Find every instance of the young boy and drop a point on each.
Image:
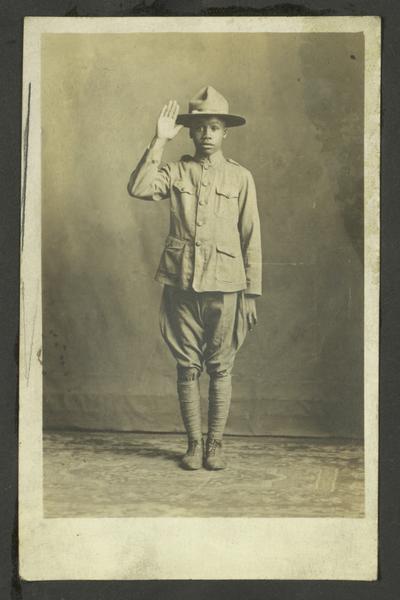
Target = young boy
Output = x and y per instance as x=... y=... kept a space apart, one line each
x=211 y=264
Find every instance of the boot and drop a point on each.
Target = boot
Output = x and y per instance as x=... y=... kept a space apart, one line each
x=193 y=459
x=214 y=460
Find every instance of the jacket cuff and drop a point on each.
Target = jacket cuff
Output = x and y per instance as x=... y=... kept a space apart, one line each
x=253 y=289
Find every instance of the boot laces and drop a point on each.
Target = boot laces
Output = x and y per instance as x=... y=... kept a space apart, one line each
x=212 y=445
x=192 y=447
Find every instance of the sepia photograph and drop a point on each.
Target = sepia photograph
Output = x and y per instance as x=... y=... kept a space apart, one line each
x=200 y=288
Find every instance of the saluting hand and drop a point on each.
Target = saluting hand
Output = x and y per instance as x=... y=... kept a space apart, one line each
x=250 y=311
x=166 y=124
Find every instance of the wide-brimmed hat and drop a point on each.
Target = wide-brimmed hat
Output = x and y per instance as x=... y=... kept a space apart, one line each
x=209 y=103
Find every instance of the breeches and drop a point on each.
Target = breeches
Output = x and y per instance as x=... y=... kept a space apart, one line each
x=202 y=329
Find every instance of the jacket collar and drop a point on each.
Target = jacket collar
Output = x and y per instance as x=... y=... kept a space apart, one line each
x=214 y=160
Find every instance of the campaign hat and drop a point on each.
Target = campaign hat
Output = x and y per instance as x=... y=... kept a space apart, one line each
x=208 y=102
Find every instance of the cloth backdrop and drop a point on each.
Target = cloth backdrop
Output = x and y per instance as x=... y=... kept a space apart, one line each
x=104 y=363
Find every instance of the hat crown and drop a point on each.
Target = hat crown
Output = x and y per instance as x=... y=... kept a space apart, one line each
x=209 y=103
x=208 y=100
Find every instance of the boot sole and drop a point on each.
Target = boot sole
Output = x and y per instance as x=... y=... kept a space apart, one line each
x=188 y=468
x=209 y=468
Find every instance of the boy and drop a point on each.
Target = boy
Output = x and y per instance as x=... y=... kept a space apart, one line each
x=211 y=264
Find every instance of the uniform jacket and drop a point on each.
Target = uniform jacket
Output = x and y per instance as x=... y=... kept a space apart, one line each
x=214 y=241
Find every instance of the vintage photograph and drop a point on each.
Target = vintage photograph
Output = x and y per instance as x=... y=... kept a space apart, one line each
x=203 y=276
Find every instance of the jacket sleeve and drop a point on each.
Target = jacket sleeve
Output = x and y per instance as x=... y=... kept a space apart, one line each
x=250 y=235
x=150 y=180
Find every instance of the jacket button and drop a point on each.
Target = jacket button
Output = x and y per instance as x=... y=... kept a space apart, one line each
x=205 y=183
x=198 y=243
x=199 y=223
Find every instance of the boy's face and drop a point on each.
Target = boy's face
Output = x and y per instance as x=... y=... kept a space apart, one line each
x=207 y=135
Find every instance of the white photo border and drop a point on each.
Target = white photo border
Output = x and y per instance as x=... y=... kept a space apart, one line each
x=175 y=548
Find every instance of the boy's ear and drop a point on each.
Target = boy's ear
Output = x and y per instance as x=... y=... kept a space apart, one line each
x=225 y=132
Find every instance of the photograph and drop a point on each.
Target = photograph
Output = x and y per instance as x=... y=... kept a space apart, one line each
x=201 y=244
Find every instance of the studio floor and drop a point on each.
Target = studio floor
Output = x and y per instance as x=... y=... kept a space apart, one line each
x=109 y=474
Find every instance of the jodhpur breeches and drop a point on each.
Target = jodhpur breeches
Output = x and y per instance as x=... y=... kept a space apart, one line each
x=203 y=330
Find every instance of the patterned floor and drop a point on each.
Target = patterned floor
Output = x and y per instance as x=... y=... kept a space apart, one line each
x=102 y=474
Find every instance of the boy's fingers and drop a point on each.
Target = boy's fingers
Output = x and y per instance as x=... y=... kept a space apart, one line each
x=251 y=320
x=171 y=108
x=176 y=110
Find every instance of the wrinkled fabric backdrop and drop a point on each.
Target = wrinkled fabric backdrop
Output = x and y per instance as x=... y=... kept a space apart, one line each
x=105 y=365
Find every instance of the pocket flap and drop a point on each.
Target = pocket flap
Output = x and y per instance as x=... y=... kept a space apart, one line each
x=227 y=192
x=225 y=250
x=183 y=186
x=174 y=243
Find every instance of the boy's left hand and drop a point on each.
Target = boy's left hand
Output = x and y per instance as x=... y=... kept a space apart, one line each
x=250 y=311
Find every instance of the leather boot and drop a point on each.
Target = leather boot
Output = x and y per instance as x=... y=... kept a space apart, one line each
x=214 y=460
x=193 y=459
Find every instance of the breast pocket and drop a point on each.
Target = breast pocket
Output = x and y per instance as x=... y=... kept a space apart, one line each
x=183 y=190
x=226 y=202
x=183 y=199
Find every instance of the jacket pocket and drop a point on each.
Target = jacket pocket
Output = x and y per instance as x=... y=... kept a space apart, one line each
x=183 y=187
x=182 y=196
x=171 y=258
x=226 y=202
x=228 y=265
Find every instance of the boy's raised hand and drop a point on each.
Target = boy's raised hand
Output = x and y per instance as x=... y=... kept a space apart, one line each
x=166 y=124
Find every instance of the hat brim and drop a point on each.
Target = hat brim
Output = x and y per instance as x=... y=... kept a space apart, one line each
x=187 y=120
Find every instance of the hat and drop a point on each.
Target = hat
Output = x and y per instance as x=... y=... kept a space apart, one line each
x=209 y=103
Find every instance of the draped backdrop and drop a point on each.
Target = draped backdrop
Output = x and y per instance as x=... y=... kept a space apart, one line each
x=104 y=363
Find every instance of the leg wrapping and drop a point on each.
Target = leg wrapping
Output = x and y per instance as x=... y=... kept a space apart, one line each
x=220 y=393
x=189 y=400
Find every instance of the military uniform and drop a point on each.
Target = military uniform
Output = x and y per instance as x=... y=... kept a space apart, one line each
x=214 y=237
x=211 y=258
x=213 y=246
